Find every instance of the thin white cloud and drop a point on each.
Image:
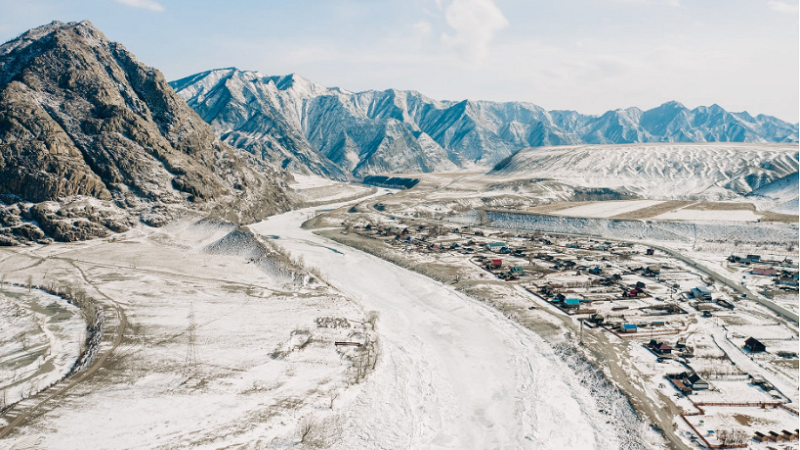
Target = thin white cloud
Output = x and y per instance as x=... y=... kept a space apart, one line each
x=782 y=7
x=474 y=22
x=152 y=5
x=422 y=29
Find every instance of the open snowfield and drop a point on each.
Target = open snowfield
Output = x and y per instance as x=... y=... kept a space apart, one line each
x=711 y=171
x=453 y=373
x=221 y=349
x=315 y=190
x=606 y=209
x=225 y=350
x=41 y=337
x=741 y=215
x=749 y=419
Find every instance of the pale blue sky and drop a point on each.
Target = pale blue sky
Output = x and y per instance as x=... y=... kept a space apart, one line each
x=586 y=55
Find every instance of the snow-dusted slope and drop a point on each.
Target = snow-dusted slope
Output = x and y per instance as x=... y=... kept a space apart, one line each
x=710 y=171
x=307 y=127
x=780 y=196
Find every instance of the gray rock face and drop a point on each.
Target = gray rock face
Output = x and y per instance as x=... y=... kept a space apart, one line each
x=80 y=116
x=306 y=127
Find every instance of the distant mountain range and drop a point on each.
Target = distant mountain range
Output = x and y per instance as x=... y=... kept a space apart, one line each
x=305 y=127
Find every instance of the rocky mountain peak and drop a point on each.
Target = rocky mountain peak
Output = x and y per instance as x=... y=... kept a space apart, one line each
x=80 y=115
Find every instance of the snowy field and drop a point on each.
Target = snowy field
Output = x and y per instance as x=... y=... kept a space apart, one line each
x=711 y=171
x=460 y=375
x=224 y=347
x=698 y=215
x=315 y=190
x=606 y=209
x=750 y=420
x=41 y=337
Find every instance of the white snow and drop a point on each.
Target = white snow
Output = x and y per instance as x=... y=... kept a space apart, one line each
x=453 y=372
x=710 y=171
x=698 y=215
x=606 y=209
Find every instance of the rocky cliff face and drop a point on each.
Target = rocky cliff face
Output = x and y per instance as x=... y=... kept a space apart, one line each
x=332 y=132
x=81 y=116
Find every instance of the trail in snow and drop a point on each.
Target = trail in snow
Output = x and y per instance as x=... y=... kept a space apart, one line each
x=453 y=373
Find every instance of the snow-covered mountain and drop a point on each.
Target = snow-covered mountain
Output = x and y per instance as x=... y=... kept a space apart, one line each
x=306 y=127
x=711 y=171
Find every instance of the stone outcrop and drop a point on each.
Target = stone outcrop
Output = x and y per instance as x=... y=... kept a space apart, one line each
x=81 y=116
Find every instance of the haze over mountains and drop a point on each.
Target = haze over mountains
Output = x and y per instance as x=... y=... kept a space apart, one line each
x=306 y=127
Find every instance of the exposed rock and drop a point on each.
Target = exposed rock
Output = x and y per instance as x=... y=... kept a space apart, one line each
x=303 y=126
x=80 y=116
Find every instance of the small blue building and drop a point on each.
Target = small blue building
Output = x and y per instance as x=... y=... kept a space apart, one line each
x=629 y=328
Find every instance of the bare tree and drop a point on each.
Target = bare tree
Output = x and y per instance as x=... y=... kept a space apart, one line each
x=307 y=429
x=333 y=394
x=372 y=319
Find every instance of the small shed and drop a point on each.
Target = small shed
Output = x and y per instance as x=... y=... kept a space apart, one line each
x=764 y=271
x=753 y=345
x=653 y=270
x=572 y=303
x=629 y=328
x=650 y=251
x=497 y=262
x=754 y=258
x=495 y=246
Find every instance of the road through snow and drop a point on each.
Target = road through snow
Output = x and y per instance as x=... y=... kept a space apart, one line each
x=453 y=373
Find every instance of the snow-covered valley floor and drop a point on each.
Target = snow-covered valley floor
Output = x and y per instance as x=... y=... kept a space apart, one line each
x=220 y=350
x=453 y=373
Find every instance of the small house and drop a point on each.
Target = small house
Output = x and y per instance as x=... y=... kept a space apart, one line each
x=629 y=328
x=652 y=271
x=495 y=246
x=697 y=383
x=496 y=263
x=572 y=303
x=754 y=258
x=595 y=270
x=753 y=345
x=702 y=293
x=517 y=271
x=764 y=271
x=662 y=348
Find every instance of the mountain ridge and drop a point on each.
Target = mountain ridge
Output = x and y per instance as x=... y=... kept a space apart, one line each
x=337 y=133
x=81 y=116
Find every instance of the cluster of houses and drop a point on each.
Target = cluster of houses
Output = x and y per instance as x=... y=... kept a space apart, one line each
x=784 y=272
x=495 y=266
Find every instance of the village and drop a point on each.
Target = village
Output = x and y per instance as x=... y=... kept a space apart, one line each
x=721 y=361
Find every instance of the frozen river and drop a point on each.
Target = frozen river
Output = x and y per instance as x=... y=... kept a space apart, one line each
x=453 y=372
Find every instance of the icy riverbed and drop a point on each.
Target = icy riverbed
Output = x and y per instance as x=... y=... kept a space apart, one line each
x=453 y=373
